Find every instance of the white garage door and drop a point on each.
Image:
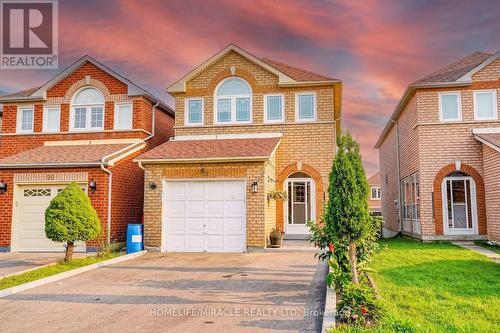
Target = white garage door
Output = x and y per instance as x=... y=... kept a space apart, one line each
x=205 y=216
x=31 y=202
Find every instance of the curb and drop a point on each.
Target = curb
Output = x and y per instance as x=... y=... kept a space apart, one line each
x=330 y=309
x=67 y=274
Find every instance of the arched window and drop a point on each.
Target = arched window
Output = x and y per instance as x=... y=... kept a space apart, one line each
x=87 y=110
x=233 y=101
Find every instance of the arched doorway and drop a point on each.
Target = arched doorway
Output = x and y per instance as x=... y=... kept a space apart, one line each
x=300 y=205
x=459 y=204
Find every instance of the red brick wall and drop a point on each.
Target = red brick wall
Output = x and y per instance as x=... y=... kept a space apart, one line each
x=491 y=164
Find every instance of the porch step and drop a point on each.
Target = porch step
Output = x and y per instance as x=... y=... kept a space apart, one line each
x=295 y=237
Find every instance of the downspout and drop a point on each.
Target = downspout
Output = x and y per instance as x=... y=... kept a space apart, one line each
x=152 y=130
x=398 y=161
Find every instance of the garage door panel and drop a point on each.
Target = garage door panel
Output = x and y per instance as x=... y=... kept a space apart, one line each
x=194 y=243
x=215 y=208
x=195 y=208
x=215 y=243
x=194 y=225
x=234 y=209
x=215 y=225
x=176 y=208
x=214 y=190
x=234 y=191
x=234 y=225
x=176 y=191
x=176 y=225
x=233 y=243
x=195 y=191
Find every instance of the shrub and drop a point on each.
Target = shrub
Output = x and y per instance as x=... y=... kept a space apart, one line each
x=70 y=218
x=358 y=305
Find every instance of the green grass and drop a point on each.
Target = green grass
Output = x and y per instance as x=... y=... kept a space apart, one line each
x=435 y=287
x=15 y=280
x=494 y=248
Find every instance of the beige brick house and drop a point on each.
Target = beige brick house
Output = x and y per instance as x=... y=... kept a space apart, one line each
x=245 y=127
x=440 y=154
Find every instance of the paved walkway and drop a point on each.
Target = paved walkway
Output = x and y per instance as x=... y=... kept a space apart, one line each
x=479 y=249
x=15 y=263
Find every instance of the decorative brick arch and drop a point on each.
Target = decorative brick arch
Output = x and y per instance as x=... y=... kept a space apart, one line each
x=280 y=180
x=91 y=82
x=480 y=197
x=241 y=73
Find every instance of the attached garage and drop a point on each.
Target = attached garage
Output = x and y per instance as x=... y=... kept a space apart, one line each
x=204 y=216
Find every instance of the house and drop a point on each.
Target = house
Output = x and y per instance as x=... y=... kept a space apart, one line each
x=85 y=125
x=374 y=200
x=245 y=128
x=440 y=154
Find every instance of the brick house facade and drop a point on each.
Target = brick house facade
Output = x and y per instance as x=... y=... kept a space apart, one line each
x=374 y=198
x=232 y=85
x=440 y=154
x=51 y=137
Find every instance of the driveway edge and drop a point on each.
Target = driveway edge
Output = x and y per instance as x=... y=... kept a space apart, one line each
x=330 y=309
x=67 y=274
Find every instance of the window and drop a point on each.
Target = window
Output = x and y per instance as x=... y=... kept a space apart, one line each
x=375 y=190
x=25 y=119
x=123 y=116
x=51 y=119
x=410 y=191
x=485 y=104
x=305 y=107
x=450 y=108
x=274 y=108
x=194 y=111
x=87 y=111
x=233 y=102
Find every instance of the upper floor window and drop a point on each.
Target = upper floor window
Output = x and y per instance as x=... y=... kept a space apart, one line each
x=233 y=102
x=87 y=110
x=194 y=111
x=123 y=116
x=51 y=119
x=450 y=108
x=25 y=117
x=375 y=193
x=485 y=105
x=274 y=108
x=305 y=107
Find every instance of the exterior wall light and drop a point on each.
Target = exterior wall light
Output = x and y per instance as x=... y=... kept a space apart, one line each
x=3 y=187
x=255 y=187
x=93 y=185
x=152 y=186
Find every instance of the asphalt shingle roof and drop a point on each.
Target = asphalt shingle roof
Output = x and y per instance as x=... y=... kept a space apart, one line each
x=296 y=73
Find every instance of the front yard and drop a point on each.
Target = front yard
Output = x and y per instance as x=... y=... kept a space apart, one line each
x=436 y=287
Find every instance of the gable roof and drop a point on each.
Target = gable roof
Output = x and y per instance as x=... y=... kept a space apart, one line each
x=457 y=74
x=40 y=93
x=287 y=75
x=375 y=179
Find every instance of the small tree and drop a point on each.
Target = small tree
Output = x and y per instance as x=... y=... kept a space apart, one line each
x=70 y=218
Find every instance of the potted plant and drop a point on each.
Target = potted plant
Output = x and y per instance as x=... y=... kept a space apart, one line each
x=276 y=238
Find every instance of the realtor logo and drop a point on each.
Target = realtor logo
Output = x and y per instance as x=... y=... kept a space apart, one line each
x=28 y=37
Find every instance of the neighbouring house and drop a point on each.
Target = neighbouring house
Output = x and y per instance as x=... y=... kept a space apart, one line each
x=245 y=128
x=374 y=199
x=85 y=125
x=440 y=154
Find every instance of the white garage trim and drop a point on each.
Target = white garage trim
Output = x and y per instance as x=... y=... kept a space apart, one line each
x=200 y=236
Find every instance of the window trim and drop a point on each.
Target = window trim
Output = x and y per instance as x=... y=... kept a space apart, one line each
x=315 y=111
x=274 y=121
x=186 y=111
x=458 y=95
x=45 y=118
x=19 y=119
x=116 y=120
x=377 y=191
x=88 y=111
x=233 y=99
x=494 y=102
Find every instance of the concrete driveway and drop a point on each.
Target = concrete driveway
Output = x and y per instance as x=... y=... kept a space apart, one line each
x=174 y=292
x=11 y=263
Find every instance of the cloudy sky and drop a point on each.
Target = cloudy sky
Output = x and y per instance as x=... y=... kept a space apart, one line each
x=375 y=47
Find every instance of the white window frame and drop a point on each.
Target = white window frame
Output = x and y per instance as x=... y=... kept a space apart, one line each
x=117 y=116
x=186 y=111
x=19 y=120
x=45 y=129
x=377 y=191
x=88 y=110
x=315 y=111
x=274 y=121
x=233 y=99
x=494 y=101
x=458 y=95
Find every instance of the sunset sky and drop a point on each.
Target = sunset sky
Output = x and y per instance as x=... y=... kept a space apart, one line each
x=375 y=47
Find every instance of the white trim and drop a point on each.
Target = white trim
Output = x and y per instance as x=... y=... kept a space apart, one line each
x=494 y=102
x=299 y=229
x=116 y=120
x=490 y=130
x=19 y=119
x=46 y=119
x=458 y=95
x=378 y=192
x=91 y=142
x=274 y=121
x=112 y=161
x=468 y=76
x=473 y=204
x=489 y=144
x=227 y=136
x=315 y=111
x=186 y=111
x=202 y=159
x=233 y=99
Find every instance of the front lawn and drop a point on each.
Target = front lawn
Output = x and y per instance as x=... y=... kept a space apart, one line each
x=436 y=287
x=15 y=280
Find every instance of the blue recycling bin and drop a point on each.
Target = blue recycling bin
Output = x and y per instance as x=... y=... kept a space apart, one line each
x=134 y=238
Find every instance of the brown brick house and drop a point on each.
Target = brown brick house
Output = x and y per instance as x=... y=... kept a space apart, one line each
x=245 y=127
x=86 y=125
x=374 y=198
x=440 y=154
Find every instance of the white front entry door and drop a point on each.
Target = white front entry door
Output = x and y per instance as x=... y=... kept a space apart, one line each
x=300 y=206
x=204 y=216
x=29 y=227
x=459 y=205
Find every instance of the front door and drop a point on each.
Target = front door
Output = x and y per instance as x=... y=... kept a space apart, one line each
x=459 y=205
x=300 y=206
